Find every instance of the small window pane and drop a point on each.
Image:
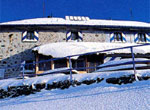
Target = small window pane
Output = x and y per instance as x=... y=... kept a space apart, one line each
x=29 y=65
x=74 y=36
x=79 y=64
x=45 y=65
x=30 y=35
x=60 y=63
x=142 y=37
x=118 y=37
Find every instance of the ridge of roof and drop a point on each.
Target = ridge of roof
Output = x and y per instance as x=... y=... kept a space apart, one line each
x=90 y=22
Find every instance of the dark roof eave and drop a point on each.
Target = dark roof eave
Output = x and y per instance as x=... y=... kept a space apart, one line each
x=72 y=25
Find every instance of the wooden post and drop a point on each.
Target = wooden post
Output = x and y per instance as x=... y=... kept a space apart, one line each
x=87 y=64
x=52 y=65
x=70 y=65
x=37 y=64
x=67 y=63
x=135 y=73
x=23 y=69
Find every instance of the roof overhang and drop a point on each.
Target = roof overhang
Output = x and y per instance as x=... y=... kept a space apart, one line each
x=64 y=49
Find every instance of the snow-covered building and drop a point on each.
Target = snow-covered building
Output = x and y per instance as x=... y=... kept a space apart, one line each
x=81 y=34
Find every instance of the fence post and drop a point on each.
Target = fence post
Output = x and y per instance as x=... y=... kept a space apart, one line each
x=135 y=73
x=70 y=67
x=23 y=69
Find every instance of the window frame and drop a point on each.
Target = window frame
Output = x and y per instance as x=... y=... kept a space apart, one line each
x=140 y=38
x=27 y=38
x=116 y=37
x=30 y=35
x=74 y=36
x=79 y=64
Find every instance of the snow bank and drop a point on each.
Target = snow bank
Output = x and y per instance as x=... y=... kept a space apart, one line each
x=101 y=96
x=63 y=49
x=91 y=22
x=49 y=79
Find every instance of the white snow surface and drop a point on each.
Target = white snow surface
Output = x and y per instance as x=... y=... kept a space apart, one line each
x=125 y=66
x=63 y=49
x=114 y=62
x=120 y=67
x=101 y=96
x=91 y=22
x=49 y=79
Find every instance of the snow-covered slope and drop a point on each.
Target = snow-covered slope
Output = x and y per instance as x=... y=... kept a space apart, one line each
x=98 y=96
x=102 y=96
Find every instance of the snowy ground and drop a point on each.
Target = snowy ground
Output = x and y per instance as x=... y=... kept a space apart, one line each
x=49 y=79
x=102 y=96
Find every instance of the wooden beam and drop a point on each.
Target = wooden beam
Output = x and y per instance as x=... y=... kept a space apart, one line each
x=52 y=65
x=37 y=65
x=86 y=64
x=68 y=63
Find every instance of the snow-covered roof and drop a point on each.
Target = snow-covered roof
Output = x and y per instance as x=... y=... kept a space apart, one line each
x=63 y=49
x=117 y=64
x=90 y=22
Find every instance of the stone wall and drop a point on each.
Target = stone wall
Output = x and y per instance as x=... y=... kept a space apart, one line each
x=96 y=36
x=13 y=51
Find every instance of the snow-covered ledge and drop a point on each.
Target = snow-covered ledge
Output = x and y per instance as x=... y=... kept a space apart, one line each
x=63 y=49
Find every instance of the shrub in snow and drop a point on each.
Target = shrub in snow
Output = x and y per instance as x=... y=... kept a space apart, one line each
x=143 y=78
x=112 y=80
x=49 y=86
x=88 y=82
x=60 y=84
x=40 y=86
x=16 y=91
x=99 y=80
x=13 y=88
x=76 y=83
x=146 y=77
x=121 y=80
x=3 y=94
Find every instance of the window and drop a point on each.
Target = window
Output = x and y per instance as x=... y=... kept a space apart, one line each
x=118 y=36
x=79 y=64
x=30 y=35
x=74 y=36
x=60 y=63
x=141 y=37
x=44 y=63
x=29 y=65
x=93 y=61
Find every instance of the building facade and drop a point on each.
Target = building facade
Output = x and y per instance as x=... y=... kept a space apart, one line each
x=18 y=38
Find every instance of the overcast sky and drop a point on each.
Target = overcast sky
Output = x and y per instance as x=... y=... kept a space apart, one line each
x=137 y=10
